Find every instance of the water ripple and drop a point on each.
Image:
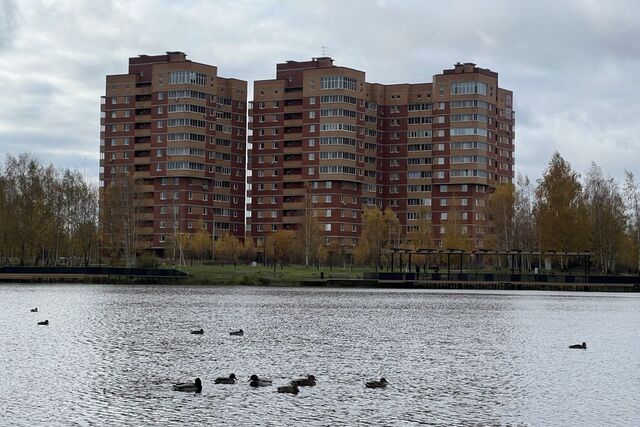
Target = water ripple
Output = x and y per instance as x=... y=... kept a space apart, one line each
x=111 y=354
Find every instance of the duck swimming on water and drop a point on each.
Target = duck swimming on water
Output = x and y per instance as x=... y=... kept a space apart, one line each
x=254 y=381
x=34 y=310
x=292 y=389
x=582 y=346
x=376 y=384
x=44 y=322
x=226 y=380
x=310 y=381
x=198 y=332
x=238 y=333
x=195 y=386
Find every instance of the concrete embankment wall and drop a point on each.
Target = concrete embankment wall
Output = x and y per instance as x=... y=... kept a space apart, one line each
x=520 y=286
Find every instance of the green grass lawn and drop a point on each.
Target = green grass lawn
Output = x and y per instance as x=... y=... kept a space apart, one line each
x=244 y=274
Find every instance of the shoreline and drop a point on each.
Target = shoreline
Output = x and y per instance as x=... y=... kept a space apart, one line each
x=61 y=279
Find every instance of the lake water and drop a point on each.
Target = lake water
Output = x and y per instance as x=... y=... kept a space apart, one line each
x=111 y=353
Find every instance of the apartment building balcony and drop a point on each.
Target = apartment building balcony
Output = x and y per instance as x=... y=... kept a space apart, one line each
x=143 y=103
x=293 y=129
x=145 y=231
x=146 y=202
x=147 y=216
x=291 y=137
x=143 y=111
x=292 y=174
x=187 y=173
x=142 y=160
x=141 y=174
x=293 y=205
x=142 y=140
x=292 y=102
x=292 y=146
x=295 y=191
x=293 y=163
x=293 y=219
x=293 y=124
x=468 y=180
x=292 y=177
x=288 y=109
x=141 y=118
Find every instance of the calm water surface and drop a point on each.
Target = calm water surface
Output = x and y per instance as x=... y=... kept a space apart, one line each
x=111 y=354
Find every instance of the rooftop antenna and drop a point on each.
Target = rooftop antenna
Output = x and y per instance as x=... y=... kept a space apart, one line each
x=324 y=51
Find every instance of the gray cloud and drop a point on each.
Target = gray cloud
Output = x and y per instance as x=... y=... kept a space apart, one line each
x=571 y=64
x=7 y=22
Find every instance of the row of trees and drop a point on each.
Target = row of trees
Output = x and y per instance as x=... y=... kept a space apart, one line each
x=562 y=213
x=565 y=213
x=47 y=216
x=50 y=216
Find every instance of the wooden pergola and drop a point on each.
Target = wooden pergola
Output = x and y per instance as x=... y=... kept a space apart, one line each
x=514 y=254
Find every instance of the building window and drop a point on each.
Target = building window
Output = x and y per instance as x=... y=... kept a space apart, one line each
x=464 y=88
x=187 y=77
x=337 y=82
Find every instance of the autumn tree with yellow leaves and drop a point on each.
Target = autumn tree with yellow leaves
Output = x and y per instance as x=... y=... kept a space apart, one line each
x=560 y=209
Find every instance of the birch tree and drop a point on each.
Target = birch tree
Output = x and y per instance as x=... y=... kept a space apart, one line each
x=632 y=204
x=606 y=216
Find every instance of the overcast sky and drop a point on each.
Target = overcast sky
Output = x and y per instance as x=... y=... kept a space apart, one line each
x=573 y=65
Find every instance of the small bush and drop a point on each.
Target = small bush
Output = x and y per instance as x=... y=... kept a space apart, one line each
x=148 y=261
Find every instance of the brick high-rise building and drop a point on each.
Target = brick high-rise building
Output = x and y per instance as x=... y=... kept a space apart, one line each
x=433 y=149
x=174 y=132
